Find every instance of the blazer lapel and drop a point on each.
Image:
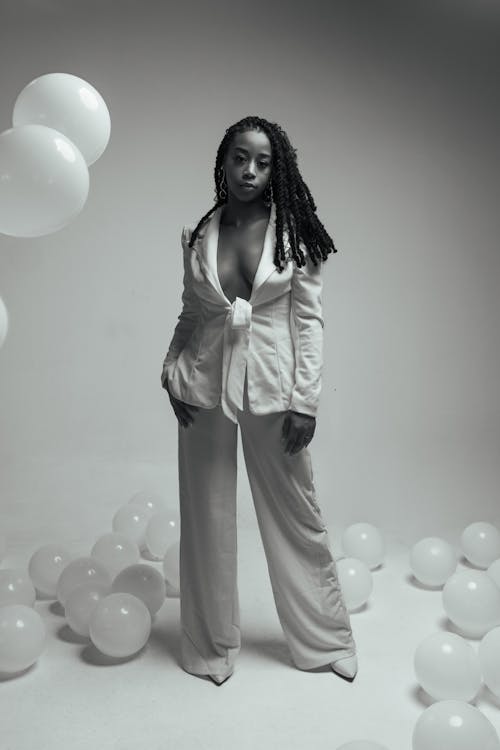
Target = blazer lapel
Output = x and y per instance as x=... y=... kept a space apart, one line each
x=207 y=251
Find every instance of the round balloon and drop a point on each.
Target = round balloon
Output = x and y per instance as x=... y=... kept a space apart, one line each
x=480 y=543
x=355 y=580
x=455 y=725
x=115 y=551
x=16 y=587
x=120 y=625
x=447 y=667
x=472 y=601
x=433 y=560
x=80 y=604
x=46 y=565
x=489 y=659
x=70 y=105
x=364 y=541
x=44 y=181
x=23 y=637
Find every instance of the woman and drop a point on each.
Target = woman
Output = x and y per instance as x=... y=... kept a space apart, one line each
x=247 y=351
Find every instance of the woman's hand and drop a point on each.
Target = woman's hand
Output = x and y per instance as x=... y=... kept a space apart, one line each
x=298 y=430
x=182 y=410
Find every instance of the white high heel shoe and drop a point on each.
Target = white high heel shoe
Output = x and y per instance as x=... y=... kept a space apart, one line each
x=220 y=678
x=346 y=667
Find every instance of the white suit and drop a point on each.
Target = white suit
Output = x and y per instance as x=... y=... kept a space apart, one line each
x=215 y=340
x=242 y=364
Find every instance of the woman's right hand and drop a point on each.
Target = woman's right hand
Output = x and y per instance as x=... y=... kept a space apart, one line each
x=182 y=410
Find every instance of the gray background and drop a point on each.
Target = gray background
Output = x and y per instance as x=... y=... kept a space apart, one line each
x=393 y=108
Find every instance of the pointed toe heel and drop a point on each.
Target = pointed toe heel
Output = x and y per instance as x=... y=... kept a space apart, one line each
x=346 y=667
x=219 y=679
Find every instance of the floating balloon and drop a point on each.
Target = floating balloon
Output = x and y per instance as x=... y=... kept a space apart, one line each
x=489 y=659
x=120 y=625
x=143 y=581
x=163 y=529
x=480 y=543
x=46 y=565
x=472 y=601
x=70 y=105
x=78 y=571
x=116 y=551
x=454 y=725
x=16 y=587
x=131 y=519
x=80 y=604
x=447 y=667
x=44 y=181
x=432 y=561
x=364 y=542
x=4 y=325
x=356 y=581
x=23 y=637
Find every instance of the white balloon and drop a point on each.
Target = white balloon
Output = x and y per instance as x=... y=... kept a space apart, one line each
x=16 y=587
x=489 y=659
x=433 y=560
x=472 y=601
x=115 y=551
x=46 y=565
x=480 y=542
x=120 y=625
x=447 y=667
x=355 y=580
x=23 y=637
x=44 y=181
x=70 y=105
x=162 y=530
x=132 y=519
x=81 y=602
x=364 y=542
x=454 y=725
x=4 y=326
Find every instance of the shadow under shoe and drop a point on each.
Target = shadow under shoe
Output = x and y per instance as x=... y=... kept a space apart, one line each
x=346 y=667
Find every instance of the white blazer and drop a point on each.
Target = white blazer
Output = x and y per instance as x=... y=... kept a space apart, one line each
x=276 y=336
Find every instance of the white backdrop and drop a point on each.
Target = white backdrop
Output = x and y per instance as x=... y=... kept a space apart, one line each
x=394 y=111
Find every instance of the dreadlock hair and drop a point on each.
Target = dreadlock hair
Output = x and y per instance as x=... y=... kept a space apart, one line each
x=295 y=206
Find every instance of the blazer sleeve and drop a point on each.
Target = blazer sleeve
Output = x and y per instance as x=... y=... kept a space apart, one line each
x=189 y=315
x=306 y=307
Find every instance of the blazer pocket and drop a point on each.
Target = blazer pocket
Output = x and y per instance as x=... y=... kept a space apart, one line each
x=266 y=368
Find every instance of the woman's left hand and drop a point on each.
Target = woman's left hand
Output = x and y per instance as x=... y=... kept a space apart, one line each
x=298 y=430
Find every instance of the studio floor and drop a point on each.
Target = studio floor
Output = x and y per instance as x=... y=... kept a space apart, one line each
x=75 y=697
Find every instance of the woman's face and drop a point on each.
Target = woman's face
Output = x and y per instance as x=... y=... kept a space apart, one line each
x=248 y=160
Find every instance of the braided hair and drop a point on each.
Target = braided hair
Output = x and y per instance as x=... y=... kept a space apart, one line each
x=295 y=206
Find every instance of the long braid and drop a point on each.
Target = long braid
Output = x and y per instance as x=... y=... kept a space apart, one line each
x=295 y=206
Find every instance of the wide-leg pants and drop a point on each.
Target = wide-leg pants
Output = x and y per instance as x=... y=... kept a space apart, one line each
x=302 y=570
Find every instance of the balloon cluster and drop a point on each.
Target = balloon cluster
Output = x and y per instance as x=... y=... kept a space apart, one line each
x=61 y=125
x=446 y=665
x=112 y=599
x=107 y=596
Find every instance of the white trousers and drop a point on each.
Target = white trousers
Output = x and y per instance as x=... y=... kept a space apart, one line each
x=302 y=570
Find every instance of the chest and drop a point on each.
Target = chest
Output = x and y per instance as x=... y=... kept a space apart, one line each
x=239 y=251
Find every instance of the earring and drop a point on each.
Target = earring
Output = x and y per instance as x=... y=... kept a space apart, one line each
x=223 y=186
